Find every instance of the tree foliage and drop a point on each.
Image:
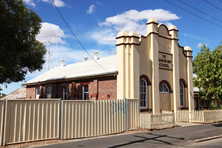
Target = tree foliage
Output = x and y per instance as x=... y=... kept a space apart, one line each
x=20 y=52
x=208 y=68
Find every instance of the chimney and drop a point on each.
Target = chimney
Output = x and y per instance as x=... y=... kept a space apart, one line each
x=62 y=63
x=85 y=58
x=96 y=55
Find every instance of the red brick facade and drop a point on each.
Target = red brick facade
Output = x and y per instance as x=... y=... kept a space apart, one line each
x=99 y=89
x=30 y=92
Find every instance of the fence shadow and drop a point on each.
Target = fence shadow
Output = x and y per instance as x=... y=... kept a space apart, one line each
x=217 y=124
x=153 y=137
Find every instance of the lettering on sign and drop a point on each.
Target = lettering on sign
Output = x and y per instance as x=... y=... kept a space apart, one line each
x=165 y=61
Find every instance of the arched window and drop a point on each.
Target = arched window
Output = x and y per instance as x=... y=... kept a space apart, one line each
x=182 y=98
x=164 y=88
x=143 y=94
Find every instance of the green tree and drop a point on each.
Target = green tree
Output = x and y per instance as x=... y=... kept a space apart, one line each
x=20 y=52
x=208 y=68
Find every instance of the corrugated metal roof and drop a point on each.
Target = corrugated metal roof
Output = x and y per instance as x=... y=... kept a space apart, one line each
x=19 y=93
x=77 y=70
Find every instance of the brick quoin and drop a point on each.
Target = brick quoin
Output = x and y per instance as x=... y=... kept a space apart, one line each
x=99 y=89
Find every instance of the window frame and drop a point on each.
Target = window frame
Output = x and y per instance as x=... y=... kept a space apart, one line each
x=83 y=92
x=181 y=83
x=65 y=93
x=36 y=92
x=47 y=93
x=146 y=94
x=164 y=84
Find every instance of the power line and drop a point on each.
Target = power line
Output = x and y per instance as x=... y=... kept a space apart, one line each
x=200 y=11
x=78 y=40
x=75 y=35
x=213 y=5
x=193 y=14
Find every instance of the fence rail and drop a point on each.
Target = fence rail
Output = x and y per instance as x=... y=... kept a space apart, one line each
x=41 y=119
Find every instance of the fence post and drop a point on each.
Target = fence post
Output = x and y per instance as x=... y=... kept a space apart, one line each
x=202 y=115
x=150 y=120
x=126 y=114
x=60 y=116
x=139 y=118
x=3 y=124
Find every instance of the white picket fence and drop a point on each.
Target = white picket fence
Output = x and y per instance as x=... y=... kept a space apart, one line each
x=201 y=116
x=157 y=121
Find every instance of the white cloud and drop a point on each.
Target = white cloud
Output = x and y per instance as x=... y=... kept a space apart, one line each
x=131 y=20
x=52 y=33
x=104 y=36
x=30 y=2
x=91 y=9
x=58 y=3
x=168 y=24
x=201 y=44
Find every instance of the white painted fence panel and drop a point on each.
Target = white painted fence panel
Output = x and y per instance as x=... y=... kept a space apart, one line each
x=31 y=120
x=157 y=121
x=133 y=113
x=97 y=117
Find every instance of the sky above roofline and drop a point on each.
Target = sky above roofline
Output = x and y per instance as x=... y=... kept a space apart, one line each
x=96 y=24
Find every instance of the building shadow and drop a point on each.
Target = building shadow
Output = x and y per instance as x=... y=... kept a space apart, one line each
x=153 y=137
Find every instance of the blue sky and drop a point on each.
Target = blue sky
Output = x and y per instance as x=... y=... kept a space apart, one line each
x=96 y=23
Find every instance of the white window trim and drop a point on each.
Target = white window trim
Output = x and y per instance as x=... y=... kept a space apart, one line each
x=167 y=88
x=64 y=92
x=183 y=96
x=47 y=94
x=84 y=92
x=146 y=98
x=37 y=95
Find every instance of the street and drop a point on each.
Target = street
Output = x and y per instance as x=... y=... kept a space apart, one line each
x=176 y=137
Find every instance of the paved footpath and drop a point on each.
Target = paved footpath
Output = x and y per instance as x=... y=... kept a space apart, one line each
x=175 y=137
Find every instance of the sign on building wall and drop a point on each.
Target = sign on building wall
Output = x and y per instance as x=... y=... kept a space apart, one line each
x=165 y=61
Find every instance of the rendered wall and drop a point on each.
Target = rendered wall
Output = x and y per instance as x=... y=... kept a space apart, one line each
x=161 y=58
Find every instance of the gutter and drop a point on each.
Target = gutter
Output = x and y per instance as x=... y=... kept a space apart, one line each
x=113 y=73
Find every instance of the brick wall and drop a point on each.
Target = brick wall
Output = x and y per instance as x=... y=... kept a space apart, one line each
x=30 y=92
x=107 y=89
x=99 y=89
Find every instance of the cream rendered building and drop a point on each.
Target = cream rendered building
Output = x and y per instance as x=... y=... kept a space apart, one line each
x=155 y=68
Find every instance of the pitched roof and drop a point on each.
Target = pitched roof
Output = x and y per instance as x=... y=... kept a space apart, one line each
x=79 y=70
x=19 y=93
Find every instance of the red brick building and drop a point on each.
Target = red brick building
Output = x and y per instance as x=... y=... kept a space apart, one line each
x=80 y=81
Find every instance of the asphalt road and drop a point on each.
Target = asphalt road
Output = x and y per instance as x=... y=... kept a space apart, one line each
x=176 y=137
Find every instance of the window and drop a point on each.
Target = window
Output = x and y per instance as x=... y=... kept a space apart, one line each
x=85 y=92
x=164 y=88
x=65 y=93
x=182 y=100
x=143 y=94
x=49 y=91
x=37 y=92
